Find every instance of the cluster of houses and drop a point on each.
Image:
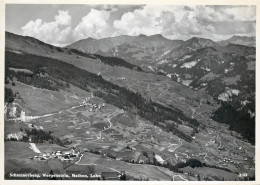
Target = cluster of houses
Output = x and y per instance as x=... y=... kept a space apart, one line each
x=200 y=154
x=228 y=160
x=61 y=155
x=13 y=113
x=210 y=143
x=93 y=106
x=15 y=136
x=122 y=78
x=32 y=126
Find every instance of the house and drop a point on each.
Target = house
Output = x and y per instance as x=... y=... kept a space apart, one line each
x=58 y=153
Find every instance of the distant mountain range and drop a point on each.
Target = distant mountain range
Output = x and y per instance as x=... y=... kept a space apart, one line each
x=91 y=45
x=240 y=40
x=104 y=45
x=150 y=52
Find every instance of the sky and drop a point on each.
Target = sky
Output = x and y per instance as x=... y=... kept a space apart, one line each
x=61 y=25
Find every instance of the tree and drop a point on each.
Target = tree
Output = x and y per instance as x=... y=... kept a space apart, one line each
x=198 y=177
x=145 y=154
x=9 y=96
x=123 y=176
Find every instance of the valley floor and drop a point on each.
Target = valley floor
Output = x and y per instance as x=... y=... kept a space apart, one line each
x=113 y=140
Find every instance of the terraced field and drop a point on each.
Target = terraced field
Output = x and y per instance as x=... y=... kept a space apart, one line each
x=110 y=131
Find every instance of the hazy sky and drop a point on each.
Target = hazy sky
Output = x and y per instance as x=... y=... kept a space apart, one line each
x=63 y=24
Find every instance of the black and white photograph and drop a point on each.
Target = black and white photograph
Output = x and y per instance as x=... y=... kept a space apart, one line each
x=129 y=92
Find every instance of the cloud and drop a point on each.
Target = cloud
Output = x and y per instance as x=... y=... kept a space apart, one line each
x=56 y=32
x=63 y=18
x=140 y=21
x=187 y=25
x=225 y=13
x=182 y=22
x=170 y=21
x=173 y=22
x=94 y=24
x=114 y=7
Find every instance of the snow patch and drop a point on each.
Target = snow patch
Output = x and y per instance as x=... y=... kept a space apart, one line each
x=164 y=61
x=190 y=48
x=244 y=102
x=227 y=70
x=227 y=95
x=185 y=57
x=235 y=91
x=151 y=68
x=165 y=53
x=186 y=82
x=162 y=71
x=189 y=64
x=252 y=114
x=207 y=69
x=169 y=75
x=174 y=65
x=224 y=97
x=159 y=159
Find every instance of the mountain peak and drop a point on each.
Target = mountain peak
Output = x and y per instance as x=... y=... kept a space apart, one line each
x=90 y=39
x=240 y=40
x=200 y=40
x=157 y=36
x=152 y=36
x=142 y=35
x=197 y=42
x=197 y=39
x=240 y=37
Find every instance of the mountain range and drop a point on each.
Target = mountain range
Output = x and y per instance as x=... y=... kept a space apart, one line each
x=225 y=70
x=198 y=63
x=135 y=99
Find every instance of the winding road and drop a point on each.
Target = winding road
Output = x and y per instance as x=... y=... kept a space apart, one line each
x=180 y=177
x=108 y=119
x=48 y=115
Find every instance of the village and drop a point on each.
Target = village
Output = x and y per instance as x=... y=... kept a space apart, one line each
x=93 y=106
x=69 y=155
